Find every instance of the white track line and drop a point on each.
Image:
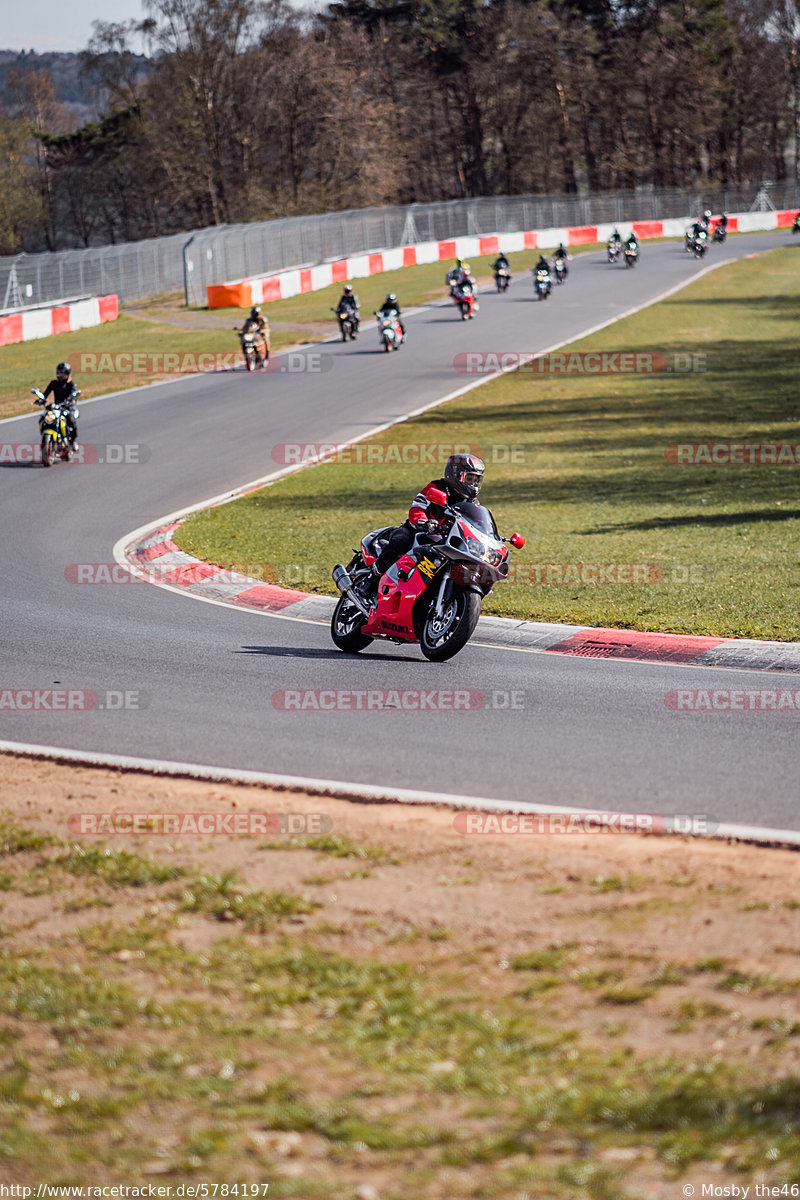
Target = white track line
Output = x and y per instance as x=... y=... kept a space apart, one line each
x=367 y=793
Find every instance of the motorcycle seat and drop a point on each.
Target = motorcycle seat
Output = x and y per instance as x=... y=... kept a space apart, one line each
x=376 y=540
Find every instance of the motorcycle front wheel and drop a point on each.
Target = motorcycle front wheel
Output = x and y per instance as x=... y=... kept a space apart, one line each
x=48 y=451
x=442 y=637
x=346 y=624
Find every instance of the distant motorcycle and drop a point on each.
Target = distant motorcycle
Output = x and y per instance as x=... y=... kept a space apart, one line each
x=348 y=323
x=796 y=226
x=542 y=283
x=502 y=278
x=255 y=348
x=560 y=269
x=465 y=299
x=53 y=429
x=720 y=232
x=614 y=249
x=389 y=331
x=699 y=244
x=631 y=256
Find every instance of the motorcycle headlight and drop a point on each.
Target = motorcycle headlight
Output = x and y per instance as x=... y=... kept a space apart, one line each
x=49 y=418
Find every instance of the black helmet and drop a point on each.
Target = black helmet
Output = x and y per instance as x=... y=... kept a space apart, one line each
x=63 y=368
x=464 y=475
x=390 y=298
x=255 y=312
x=348 y=291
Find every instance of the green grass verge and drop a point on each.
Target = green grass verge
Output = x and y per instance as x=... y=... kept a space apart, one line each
x=593 y=484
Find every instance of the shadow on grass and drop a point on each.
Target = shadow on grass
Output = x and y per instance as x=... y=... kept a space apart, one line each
x=709 y=520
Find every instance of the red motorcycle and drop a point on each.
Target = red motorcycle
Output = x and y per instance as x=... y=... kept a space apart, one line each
x=464 y=297
x=433 y=594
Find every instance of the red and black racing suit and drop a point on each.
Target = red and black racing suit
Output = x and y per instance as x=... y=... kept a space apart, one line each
x=422 y=509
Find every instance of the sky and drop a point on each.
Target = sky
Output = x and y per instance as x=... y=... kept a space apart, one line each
x=58 y=24
x=65 y=24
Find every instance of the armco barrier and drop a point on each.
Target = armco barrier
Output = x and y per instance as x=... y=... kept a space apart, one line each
x=260 y=289
x=66 y=317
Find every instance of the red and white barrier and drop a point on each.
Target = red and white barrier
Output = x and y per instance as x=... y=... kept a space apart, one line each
x=30 y=323
x=259 y=289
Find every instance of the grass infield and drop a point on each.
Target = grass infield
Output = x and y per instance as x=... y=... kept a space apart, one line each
x=583 y=466
x=317 y=1014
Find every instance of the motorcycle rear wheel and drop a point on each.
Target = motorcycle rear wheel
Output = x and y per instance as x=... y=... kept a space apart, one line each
x=346 y=624
x=438 y=646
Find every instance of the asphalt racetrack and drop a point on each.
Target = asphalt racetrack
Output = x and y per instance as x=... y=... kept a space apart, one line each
x=200 y=678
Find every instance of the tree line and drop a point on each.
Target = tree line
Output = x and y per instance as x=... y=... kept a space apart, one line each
x=250 y=109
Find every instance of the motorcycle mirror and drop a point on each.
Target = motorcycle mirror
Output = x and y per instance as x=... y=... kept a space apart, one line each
x=437 y=497
x=517 y=540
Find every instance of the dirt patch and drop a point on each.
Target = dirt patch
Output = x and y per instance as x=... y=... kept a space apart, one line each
x=603 y=962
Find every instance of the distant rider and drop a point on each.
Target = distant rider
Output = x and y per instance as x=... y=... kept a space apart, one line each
x=463 y=476
x=459 y=276
x=63 y=391
x=500 y=263
x=390 y=306
x=255 y=323
x=348 y=304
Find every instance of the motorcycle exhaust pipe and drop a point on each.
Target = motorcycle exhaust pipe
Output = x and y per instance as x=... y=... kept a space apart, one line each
x=345 y=585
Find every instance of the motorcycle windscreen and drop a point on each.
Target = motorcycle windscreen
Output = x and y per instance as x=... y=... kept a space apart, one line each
x=478 y=516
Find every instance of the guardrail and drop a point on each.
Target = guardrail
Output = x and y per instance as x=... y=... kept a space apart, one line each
x=260 y=289
x=191 y=261
x=38 y=321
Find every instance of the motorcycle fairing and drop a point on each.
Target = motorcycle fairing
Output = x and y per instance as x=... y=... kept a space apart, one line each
x=398 y=591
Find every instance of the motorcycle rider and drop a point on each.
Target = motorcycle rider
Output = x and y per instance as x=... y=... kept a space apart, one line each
x=63 y=391
x=542 y=265
x=706 y=218
x=255 y=323
x=501 y=264
x=560 y=258
x=615 y=239
x=390 y=306
x=695 y=229
x=631 y=243
x=458 y=276
x=463 y=476
x=348 y=303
